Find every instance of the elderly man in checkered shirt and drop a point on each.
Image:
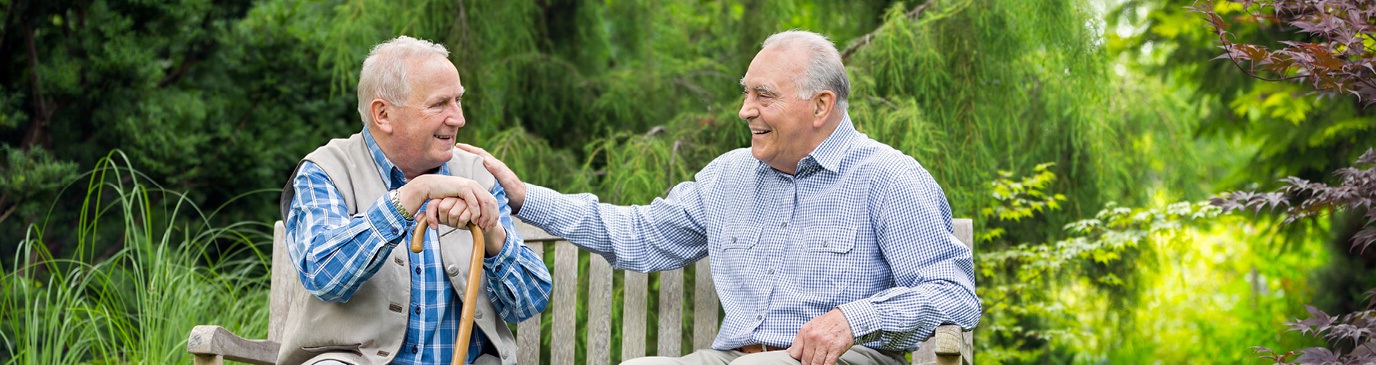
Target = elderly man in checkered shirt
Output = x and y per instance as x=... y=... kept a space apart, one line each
x=826 y=246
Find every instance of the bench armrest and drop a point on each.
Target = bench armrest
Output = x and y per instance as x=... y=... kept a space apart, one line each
x=210 y=344
x=951 y=345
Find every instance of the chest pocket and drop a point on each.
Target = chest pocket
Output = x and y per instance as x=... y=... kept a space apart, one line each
x=736 y=261
x=829 y=257
x=832 y=239
x=740 y=237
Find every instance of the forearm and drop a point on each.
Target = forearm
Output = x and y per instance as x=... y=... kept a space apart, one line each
x=900 y=318
x=660 y=236
x=518 y=281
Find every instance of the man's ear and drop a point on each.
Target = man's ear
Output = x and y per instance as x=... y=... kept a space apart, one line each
x=822 y=106
x=381 y=112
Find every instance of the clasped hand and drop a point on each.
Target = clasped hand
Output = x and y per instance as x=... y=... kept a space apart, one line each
x=455 y=201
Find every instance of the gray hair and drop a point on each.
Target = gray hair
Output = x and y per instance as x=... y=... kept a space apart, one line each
x=824 y=70
x=385 y=71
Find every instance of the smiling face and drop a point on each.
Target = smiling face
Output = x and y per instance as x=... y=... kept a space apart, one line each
x=418 y=133
x=784 y=128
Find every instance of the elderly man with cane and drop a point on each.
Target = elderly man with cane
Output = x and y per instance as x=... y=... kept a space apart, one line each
x=350 y=204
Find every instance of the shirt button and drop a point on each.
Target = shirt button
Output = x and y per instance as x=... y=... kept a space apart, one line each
x=394 y=231
x=771 y=271
x=783 y=225
x=418 y=309
x=417 y=270
x=478 y=315
x=759 y=317
x=415 y=349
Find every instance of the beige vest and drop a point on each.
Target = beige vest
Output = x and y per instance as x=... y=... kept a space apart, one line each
x=370 y=326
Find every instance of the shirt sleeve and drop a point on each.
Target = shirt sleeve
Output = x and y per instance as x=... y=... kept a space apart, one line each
x=665 y=235
x=518 y=280
x=335 y=253
x=933 y=271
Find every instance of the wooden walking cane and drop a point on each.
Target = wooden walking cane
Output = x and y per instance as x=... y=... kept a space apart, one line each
x=470 y=294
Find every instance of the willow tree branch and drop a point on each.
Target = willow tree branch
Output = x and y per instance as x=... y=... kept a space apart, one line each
x=865 y=39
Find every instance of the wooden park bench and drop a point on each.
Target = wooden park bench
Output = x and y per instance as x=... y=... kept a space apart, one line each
x=211 y=344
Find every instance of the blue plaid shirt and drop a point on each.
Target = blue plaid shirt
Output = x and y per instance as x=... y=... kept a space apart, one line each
x=335 y=253
x=861 y=227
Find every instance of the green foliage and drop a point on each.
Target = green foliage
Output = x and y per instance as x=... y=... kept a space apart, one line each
x=135 y=302
x=1021 y=198
x=1020 y=282
x=1292 y=132
x=972 y=90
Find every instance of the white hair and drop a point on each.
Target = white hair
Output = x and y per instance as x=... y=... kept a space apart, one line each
x=385 y=71
x=824 y=70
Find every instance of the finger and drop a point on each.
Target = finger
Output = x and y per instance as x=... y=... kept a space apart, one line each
x=430 y=212
x=819 y=354
x=443 y=208
x=833 y=355
x=473 y=206
x=456 y=214
x=473 y=149
x=795 y=351
x=464 y=217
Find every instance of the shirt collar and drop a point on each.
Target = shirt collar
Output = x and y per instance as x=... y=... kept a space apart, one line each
x=393 y=177
x=829 y=154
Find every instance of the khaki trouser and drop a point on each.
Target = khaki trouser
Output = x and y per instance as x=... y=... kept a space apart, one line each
x=858 y=355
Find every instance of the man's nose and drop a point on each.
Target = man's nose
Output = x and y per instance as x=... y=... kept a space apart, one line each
x=455 y=117
x=747 y=111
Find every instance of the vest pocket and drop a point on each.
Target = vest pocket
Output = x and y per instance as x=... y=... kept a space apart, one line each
x=353 y=349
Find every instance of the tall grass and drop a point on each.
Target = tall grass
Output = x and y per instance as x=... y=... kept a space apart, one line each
x=135 y=301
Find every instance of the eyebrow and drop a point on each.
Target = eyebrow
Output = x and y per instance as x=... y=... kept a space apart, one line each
x=446 y=98
x=759 y=88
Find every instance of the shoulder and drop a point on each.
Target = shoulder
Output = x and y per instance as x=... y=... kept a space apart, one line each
x=469 y=165
x=336 y=152
x=734 y=163
x=883 y=162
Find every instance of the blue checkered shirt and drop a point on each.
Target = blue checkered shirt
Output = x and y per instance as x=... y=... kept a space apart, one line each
x=335 y=253
x=860 y=226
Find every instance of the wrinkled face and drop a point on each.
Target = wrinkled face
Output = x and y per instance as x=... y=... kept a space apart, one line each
x=424 y=125
x=781 y=124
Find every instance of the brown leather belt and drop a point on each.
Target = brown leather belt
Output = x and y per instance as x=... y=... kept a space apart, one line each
x=755 y=349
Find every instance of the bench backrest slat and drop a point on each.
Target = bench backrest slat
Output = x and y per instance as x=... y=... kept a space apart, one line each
x=599 y=306
x=283 y=274
x=705 y=305
x=528 y=331
x=564 y=303
x=633 y=314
